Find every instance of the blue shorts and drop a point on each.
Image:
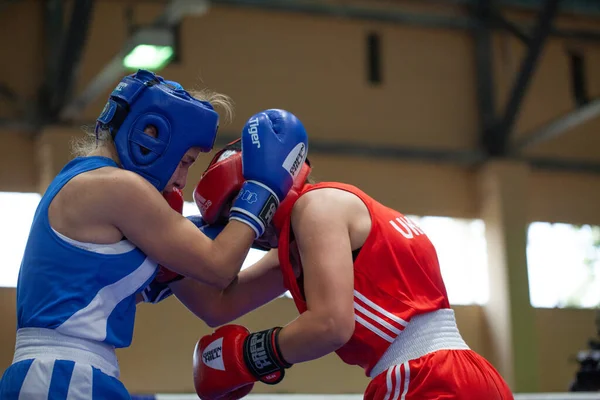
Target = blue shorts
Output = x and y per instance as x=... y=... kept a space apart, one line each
x=48 y=379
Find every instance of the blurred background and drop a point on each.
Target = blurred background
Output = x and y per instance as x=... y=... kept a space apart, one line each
x=478 y=118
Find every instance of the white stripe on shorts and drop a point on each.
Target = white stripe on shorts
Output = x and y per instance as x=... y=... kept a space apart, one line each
x=80 y=387
x=36 y=384
x=389 y=382
x=394 y=381
x=398 y=381
x=406 y=379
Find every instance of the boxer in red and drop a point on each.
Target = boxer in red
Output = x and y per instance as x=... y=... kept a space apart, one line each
x=367 y=284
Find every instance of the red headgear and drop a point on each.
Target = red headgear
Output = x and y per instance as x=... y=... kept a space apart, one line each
x=222 y=181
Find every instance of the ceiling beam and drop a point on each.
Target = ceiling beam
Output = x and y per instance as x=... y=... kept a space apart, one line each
x=558 y=126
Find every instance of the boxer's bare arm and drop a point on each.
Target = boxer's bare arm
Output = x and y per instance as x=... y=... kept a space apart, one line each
x=254 y=287
x=324 y=226
x=140 y=212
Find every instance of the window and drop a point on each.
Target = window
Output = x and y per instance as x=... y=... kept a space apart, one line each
x=16 y=215
x=462 y=253
x=460 y=245
x=563 y=265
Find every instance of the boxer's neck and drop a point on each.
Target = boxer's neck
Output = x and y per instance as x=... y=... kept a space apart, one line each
x=106 y=150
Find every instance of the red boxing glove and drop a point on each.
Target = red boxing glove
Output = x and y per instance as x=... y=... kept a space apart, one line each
x=238 y=393
x=175 y=200
x=228 y=362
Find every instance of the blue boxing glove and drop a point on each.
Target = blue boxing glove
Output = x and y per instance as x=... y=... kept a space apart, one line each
x=212 y=231
x=274 y=148
x=158 y=289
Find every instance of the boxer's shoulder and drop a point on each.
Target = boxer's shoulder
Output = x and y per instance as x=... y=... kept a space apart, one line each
x=327 y=204
x=101 y=195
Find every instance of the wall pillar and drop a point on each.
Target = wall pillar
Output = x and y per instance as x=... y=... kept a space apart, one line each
x=503 y=189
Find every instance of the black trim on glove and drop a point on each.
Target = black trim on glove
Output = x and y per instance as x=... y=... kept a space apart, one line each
x=263 y=357
x=156 y=292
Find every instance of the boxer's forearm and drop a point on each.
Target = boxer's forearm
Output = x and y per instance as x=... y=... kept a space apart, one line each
x=311 y=336
x=244 y=295
x=254 y=287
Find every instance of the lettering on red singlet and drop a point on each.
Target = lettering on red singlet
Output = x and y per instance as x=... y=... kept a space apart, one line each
x=406 y=227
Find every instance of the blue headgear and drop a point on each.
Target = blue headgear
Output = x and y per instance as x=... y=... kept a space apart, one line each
x=182 y=122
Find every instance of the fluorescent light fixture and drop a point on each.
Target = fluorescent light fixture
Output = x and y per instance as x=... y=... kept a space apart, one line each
x=148 y=56
x=150 y=48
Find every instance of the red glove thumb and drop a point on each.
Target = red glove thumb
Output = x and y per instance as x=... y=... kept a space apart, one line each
x=238 y=393
x=175 y=199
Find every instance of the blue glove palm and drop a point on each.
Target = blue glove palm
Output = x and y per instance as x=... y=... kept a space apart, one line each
x=212 y=231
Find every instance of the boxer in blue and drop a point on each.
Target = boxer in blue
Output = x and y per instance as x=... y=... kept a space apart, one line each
x=102 y=228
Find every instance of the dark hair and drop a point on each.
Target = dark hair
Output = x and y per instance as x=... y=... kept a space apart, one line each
x=235 y=146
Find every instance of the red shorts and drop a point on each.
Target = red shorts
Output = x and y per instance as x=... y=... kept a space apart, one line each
x=444 y=374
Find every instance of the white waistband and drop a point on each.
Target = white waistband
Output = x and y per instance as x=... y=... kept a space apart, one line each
x=424 y=334
x=43 y=343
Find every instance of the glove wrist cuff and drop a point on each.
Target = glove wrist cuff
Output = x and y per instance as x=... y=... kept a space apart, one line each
x=257 y=184
x=280 y=358
x=255 y=205
x=263 y=357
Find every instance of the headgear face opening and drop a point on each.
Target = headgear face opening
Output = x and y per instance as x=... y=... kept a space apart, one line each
x=221 y=183
x=182 y=122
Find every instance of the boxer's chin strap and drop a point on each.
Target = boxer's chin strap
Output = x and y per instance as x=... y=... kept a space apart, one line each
x=263 y=357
